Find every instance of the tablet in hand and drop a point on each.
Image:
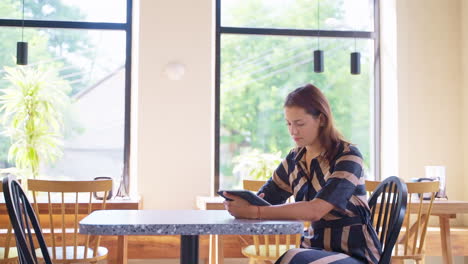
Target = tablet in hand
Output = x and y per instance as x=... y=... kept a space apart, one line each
x=249 y=196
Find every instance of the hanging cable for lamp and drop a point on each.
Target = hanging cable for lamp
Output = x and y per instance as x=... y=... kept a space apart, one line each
x=355 y=59
x=22 y=47
x=318 y=54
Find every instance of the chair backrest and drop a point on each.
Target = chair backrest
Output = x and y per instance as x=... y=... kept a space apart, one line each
x=6 y=256
x=371 y=186
x=65 y=200
x=252 y=185
x=271 y=247
x=271 y=243
x=23 y=218
x=388 y=207
x=411 y=244
x=416 y=227
x=255 y=185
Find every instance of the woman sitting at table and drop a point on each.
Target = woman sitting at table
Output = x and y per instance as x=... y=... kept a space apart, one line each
x=325 y=175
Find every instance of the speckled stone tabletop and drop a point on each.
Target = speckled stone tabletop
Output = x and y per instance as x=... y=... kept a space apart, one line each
x=180 y=222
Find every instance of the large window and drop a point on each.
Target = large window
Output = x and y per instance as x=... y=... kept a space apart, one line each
x=87 y=43
x=264 y=51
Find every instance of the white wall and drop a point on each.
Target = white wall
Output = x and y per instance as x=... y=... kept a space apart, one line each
x=464 y=74
x=174 y=117
x=429 y=90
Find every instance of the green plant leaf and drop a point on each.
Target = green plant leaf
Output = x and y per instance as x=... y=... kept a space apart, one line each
x=31 y=113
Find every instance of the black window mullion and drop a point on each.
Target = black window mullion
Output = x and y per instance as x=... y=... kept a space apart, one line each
x=297 y=32
x=217 y=95
x=128 y=92
x=377 y=93
x=62 y=24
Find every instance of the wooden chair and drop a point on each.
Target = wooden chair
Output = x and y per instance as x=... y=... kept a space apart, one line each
x=8 y=254
x=388 y=206
x=410 y=245
x=371 y=186
x=67 y=245
x=267 y=247
x=25 y=224
x=255 y=185
x=252 y=185
x=270 y=247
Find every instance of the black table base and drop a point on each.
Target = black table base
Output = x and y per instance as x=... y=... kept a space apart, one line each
x=189 y=249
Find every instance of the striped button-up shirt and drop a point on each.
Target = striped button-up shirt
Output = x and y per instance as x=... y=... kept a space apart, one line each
x=346 y=228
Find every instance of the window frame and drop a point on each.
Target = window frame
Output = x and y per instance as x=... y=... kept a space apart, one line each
x=127 y=27
x=373 y=35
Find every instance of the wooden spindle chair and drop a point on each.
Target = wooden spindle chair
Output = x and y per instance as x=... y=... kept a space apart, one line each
x=252 y=185
x=411 y=243
x=388 y=206
x=75 y=201
x=371 y=186
x=267 y=247
x=270 y=247
x=8 y=253
x=26 y=227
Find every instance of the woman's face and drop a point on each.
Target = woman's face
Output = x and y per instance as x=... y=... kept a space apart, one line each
x=303 y=127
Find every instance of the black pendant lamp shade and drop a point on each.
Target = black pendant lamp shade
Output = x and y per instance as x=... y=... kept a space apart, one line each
x=318 y=61
x=22 y=53
x=355 y=63
x=22 y=47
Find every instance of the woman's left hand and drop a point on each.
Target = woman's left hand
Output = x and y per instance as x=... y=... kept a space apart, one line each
x=239 y=208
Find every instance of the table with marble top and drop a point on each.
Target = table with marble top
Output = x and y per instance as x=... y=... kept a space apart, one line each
x=189 y=224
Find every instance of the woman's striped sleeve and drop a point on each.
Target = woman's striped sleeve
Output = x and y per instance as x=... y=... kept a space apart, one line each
x=342 y=183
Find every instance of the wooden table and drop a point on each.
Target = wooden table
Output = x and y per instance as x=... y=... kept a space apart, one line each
x=443 y=209
x=189 y=224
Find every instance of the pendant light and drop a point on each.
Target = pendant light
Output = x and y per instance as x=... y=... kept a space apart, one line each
x=355 y=60
x=318 y=54
x=22 y=47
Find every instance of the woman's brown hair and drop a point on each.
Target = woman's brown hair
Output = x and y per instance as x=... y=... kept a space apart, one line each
x=314 y=102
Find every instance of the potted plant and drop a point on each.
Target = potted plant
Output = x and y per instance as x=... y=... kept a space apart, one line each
x=31 y=112
x=255 y=164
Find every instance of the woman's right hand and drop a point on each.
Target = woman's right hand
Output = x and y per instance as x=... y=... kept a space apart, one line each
x=240 y=208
